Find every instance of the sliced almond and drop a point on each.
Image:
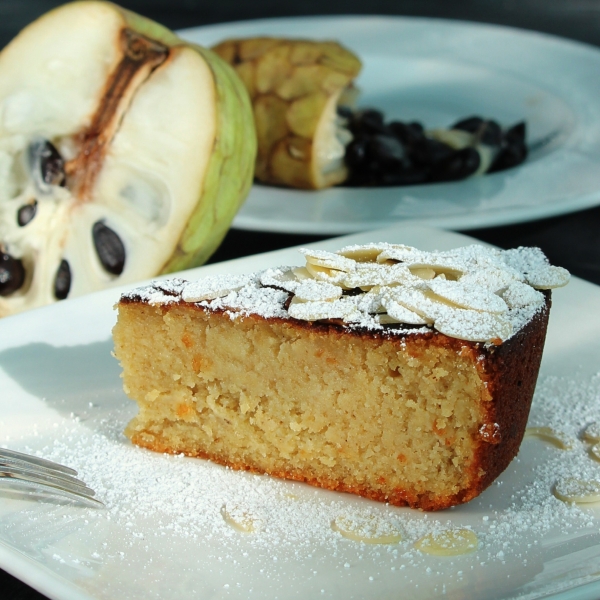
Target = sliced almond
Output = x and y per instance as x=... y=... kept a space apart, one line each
x=372 y=274
x=301 y=273
x=325 y=273
x=363 y=254
x=370 y=303
x=451 y=542
x=580 y=491
x=329 y=260
x=368 y=529
x=519 y=294
x=401 y=314
x=282 y=278
x=548 y=277
x=423 y=272
x=415 y=300
x=386 y=319
x=399 y=253
x=241 y=519
x=492 y=278
x=469 y=296
x=344 y=308
x=311 y=290
x=445 y=268
x=474 y=326
x=213 y=287
x=556 y=438
x=592 y=432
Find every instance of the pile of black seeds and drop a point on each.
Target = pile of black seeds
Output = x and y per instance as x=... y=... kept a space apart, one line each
x=400 y=153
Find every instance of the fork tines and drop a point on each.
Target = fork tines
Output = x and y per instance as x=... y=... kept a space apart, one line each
x=23 y=470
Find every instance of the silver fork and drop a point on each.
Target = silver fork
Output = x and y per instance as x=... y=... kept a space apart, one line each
x=18 y=470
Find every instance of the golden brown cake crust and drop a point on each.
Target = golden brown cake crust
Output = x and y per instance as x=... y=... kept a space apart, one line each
x=509 y=372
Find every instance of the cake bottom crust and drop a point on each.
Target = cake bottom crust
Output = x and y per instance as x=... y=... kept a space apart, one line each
x=398 y=497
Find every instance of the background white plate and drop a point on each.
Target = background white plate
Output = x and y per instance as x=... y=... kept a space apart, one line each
x=438 y=71
x=59 y=386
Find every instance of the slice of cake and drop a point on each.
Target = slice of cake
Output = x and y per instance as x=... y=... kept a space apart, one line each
x=399 y=375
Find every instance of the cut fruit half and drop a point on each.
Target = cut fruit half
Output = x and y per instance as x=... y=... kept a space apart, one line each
x=296 y=87
x=125 y=152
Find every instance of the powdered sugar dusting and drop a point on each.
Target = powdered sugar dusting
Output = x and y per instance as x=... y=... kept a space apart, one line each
x=472 y=293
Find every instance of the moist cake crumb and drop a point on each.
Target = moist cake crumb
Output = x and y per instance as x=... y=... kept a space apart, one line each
x=381 y=370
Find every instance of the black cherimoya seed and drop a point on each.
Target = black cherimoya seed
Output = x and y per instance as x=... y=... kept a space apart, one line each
x=62 y=281
x=109 y=247
x=356 y=153
x=490 y=134
x=430 y=152
x=12 y=274
x=513 y=149
x=460 y=165
x=470 y=124
x=487 y=132
x=386 y=150
x=367 y=122
x=516 y=133
x=407 y=133
x=510 y=156
x=409 y=176
x=26 y=213
x=47 y=161
x=344 y=111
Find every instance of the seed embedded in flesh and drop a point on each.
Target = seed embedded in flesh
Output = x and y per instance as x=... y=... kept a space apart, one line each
x=62 y=281
x=53 y=165
x=12 y=274
x=26 y=213
x=46 y=163
x=109 y=247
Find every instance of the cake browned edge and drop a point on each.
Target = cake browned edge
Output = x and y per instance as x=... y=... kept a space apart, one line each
x=509 y=370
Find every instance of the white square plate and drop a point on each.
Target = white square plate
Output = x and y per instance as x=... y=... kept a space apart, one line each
x=162 y=534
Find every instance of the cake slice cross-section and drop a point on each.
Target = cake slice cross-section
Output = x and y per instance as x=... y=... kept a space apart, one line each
x=399 y=375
